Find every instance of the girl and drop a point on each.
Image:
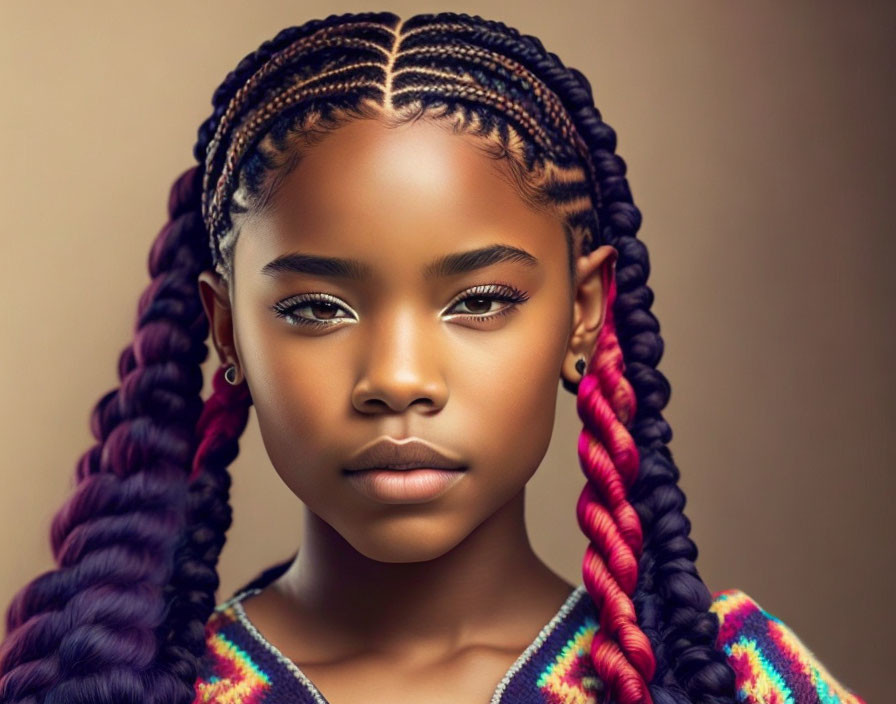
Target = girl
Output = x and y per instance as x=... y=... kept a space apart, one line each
x=400 y=234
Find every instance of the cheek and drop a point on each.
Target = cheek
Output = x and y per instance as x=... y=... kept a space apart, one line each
x=511 y=399
x=301 y=397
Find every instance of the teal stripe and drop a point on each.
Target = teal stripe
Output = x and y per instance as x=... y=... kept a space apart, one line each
x=246 y=659
x=768 y=669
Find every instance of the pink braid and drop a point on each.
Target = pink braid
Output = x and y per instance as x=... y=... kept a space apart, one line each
x=621 y=652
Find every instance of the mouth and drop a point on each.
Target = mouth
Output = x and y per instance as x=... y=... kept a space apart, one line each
x=388 y=454
x=406 y=472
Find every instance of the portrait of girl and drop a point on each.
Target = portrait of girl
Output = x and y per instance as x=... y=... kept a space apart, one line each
x=404 y=240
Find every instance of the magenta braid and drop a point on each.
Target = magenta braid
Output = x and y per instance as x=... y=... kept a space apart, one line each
x=620 y=650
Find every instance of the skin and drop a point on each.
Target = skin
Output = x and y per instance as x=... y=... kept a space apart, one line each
x=406 y=602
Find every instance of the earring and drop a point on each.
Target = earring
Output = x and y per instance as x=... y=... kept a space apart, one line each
x=230 y=375
x=580 y=366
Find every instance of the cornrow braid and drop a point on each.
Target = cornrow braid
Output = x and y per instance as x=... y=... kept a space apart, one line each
x=306 y=52
x=378 y=72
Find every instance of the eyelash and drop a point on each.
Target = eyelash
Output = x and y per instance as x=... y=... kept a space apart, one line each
x=504 y=293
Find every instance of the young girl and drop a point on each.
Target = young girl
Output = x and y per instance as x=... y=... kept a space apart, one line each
x=401 y=234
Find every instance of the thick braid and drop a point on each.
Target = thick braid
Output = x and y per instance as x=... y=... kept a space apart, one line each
x=190 y=593
x=672 y=602
x=621 y=652
x=88 y=630
x=195 y=579
x=224 y=417
x=121 y=540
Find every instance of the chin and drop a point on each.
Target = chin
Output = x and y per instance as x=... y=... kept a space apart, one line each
x=405 y=542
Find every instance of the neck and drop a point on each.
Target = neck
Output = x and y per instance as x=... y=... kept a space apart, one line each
x=443 y=600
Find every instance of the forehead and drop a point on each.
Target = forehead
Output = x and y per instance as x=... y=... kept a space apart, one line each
x=412 y=192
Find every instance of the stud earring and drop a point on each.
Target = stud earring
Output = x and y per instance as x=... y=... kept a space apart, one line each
x=230 y=375
x=573 y=386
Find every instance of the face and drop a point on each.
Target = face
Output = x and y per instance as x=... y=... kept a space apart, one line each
x=412 y=339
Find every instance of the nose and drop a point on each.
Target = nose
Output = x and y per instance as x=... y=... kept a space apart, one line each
x=401 y=367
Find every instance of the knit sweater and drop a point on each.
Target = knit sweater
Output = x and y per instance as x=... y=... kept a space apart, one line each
x=771 y=664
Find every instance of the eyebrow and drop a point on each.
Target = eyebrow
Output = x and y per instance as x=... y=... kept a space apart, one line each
x=448 y=265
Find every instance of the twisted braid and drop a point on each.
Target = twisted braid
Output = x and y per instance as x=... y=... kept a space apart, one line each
x=621 y=652
x=671 y=600
x=191 y=591
x=88 y=630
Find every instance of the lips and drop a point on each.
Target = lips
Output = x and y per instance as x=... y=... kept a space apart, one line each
x=413 y=453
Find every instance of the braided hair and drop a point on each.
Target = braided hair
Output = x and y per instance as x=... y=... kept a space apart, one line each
x=122 y=617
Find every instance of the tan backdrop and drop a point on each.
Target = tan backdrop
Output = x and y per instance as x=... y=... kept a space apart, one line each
x=760 y=147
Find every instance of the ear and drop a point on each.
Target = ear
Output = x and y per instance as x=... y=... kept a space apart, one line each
x=215 y=296
x=594 y=273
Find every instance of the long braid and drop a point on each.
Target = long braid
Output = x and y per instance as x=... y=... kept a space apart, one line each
x=671 y=600
x=121 y=619
x=195 y=578
x=693 y=670
x=87 y=631
x=191 y=591
x=698 y=671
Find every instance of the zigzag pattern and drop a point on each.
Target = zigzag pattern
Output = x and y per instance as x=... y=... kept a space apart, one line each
x=570 y=678
x=772 y=665
x=235 y=678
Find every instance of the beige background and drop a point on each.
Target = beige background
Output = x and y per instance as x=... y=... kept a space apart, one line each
x=759 y=138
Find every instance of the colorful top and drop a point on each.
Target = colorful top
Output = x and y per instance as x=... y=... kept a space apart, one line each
x=772 y=665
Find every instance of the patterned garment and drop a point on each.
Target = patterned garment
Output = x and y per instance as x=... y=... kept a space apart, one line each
x=772 y=665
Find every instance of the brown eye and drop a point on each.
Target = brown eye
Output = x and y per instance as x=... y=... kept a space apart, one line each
x=323 y=310
x=312 y=309
x=479 y=302
x=478 y=305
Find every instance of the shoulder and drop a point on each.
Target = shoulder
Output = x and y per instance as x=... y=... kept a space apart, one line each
x=772 y=665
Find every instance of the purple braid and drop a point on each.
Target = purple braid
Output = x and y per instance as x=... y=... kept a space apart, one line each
x=87 y=631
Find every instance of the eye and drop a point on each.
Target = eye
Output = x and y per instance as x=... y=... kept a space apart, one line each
x=322 y=310
x=479 y=301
